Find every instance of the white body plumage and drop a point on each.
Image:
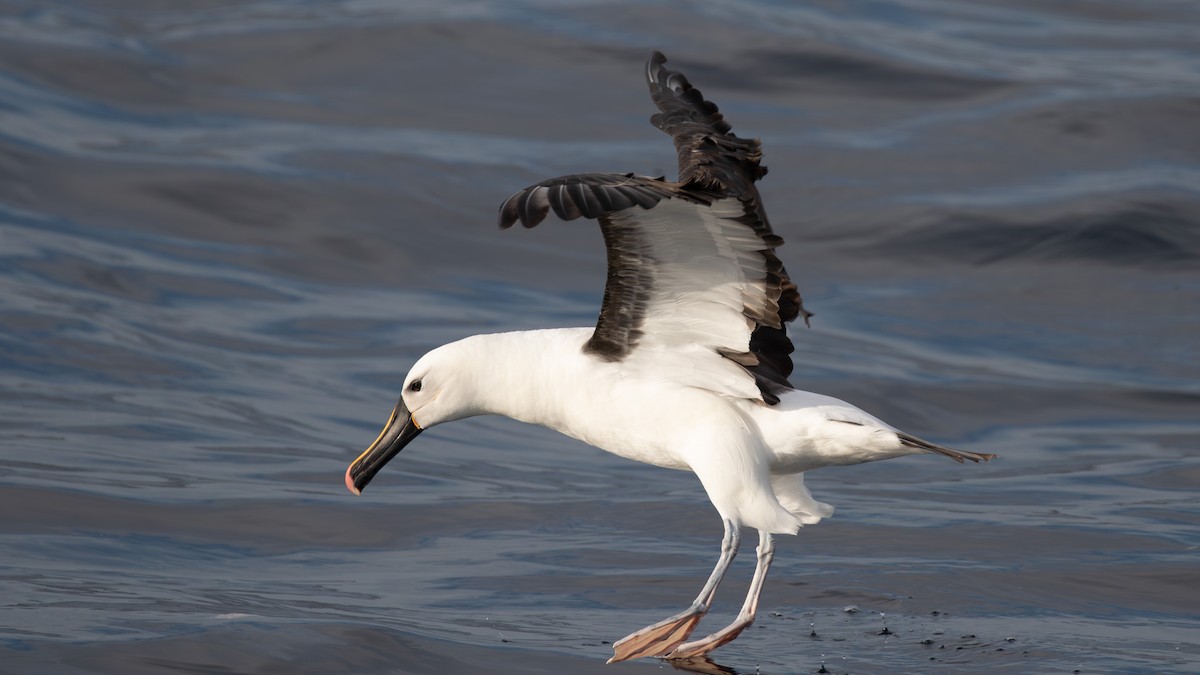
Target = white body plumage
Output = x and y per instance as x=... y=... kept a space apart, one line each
x=750 y=457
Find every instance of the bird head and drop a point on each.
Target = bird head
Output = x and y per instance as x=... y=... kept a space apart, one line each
x=434 y=392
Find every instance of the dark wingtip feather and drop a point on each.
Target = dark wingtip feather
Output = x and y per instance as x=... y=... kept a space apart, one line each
x=508 y=213
x=654 y=65
x=533 y=206
x=956 y=455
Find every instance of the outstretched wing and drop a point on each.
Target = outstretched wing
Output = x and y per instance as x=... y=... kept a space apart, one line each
x=692 y=274
x=712 y=157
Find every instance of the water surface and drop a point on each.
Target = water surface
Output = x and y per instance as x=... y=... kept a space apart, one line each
x=226 y=231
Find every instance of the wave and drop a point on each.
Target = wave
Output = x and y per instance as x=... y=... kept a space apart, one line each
x=1135 y=233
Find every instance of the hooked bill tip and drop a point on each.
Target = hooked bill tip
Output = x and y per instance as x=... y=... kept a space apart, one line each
x=350 y=483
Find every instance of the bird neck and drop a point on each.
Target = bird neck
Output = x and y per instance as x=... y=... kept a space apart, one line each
x=531 y=375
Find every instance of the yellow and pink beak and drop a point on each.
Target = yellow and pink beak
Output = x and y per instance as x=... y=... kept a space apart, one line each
x=400 y=429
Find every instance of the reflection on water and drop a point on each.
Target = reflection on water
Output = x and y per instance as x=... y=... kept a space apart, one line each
x=226 y=231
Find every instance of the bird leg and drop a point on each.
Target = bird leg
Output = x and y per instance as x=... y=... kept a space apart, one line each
x=766 y=551
x=660 y=638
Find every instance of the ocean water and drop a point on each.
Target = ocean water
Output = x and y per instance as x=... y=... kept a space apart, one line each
x=228 y=229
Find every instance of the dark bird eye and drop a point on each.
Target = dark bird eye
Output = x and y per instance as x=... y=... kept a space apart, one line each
x=415 y=386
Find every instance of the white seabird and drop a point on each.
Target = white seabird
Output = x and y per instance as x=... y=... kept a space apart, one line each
x=687 y=365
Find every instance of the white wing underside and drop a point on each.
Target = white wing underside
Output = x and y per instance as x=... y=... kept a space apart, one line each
x=707 y=275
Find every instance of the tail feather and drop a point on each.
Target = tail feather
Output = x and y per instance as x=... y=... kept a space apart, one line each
x=793 y=494
x=956 y=455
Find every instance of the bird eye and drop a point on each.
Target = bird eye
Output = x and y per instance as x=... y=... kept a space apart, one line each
x=415 y=386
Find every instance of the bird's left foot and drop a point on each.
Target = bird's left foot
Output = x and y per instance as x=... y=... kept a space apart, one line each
x=659 y=638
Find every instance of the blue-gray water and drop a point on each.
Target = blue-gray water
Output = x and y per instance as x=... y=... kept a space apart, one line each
x=227 y=229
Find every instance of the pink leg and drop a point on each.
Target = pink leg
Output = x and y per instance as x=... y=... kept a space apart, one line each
x=766 y=551
x=662 y=637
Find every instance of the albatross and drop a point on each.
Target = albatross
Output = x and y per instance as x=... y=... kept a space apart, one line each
x=687 y=366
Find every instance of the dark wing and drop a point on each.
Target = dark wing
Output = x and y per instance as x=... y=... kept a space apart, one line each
x=690 y=263
x=589 y=195
x=713 y=158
